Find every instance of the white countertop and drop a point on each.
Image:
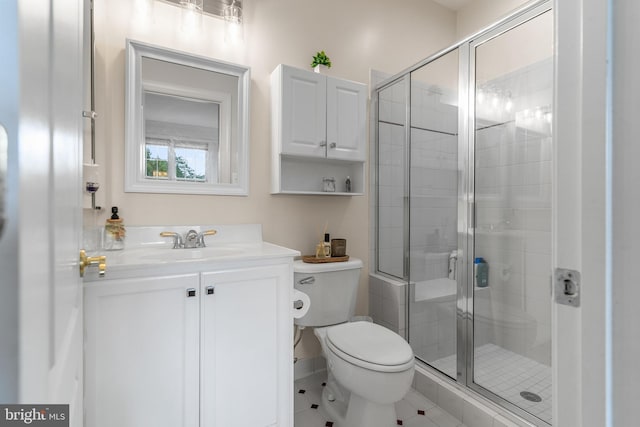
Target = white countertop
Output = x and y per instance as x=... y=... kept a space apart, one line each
x=146 y=253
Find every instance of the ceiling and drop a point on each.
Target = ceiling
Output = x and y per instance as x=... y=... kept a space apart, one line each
x=453 y=4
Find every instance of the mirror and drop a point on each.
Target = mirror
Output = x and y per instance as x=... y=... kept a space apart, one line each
x=186 y=123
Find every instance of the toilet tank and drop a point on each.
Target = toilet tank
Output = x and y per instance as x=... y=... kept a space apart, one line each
x=332 y=288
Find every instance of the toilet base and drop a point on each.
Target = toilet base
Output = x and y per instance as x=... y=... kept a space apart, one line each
x=358 y=412
x=335 y=409
x=361 y=413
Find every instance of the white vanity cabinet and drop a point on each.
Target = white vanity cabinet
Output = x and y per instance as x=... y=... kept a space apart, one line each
x=210 y=348
x=246 y=350
x=141 y=352
x=318 y=130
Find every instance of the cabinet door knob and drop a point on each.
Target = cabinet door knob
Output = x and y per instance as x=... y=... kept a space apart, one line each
x=191 y=292
x=210 y=290
x=323 y=143
x=333 y=145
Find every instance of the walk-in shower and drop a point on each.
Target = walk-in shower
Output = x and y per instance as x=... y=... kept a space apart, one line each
x=463 y=208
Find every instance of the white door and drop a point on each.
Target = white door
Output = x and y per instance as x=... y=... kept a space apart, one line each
x=246 y=348
x=42 y=110
x=304 y=121
x=141 y=352
x=346 y=120
x=580 y=216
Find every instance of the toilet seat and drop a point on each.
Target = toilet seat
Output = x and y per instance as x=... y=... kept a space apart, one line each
x=370 y=346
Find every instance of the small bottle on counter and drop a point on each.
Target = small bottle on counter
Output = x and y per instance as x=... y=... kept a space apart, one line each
x=320 y=250
x=327 y=245
x=114 y=232
x=347 y=185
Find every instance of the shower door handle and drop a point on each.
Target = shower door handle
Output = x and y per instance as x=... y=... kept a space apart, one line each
x=472 y=219
x=4 y=144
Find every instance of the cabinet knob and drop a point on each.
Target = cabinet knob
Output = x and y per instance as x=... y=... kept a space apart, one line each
x=210 y=290
x=323 y=143
x=191 y=292
x=333 y=145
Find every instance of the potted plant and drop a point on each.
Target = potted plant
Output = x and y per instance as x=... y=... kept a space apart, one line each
x=320 y=59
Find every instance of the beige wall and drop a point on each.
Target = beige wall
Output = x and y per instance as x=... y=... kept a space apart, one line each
x=358 y=35
x=479 y=14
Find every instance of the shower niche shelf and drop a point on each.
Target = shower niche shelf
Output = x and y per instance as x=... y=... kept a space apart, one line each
x=318 y=131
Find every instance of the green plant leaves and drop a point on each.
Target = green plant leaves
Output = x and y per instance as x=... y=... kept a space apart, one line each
x=321 y=58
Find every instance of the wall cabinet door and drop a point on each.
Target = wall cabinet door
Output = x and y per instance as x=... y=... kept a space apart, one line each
x=246 y=352
x=346 y=120
x=141 y=352
x=303 y=106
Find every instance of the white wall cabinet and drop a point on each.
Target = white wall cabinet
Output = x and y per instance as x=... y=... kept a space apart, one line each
x=210 y=349
x=318 y=131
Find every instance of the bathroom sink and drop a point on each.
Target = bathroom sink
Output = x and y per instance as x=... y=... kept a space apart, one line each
x=166 y=254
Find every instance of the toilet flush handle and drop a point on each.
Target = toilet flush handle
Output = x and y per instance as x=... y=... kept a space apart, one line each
x=307 y=280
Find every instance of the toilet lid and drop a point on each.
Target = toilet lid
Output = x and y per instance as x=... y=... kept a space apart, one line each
x=370 y=343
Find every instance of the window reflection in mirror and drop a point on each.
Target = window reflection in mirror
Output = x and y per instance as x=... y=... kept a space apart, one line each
x=182 y=138
x=186 y=123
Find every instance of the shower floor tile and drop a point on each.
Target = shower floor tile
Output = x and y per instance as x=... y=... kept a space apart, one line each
x=507 y=374
x=414 y=410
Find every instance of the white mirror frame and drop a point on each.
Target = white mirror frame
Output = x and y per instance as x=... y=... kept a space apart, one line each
x=134 y=122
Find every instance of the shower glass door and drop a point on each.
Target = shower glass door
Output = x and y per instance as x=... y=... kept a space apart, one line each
x=511 y=266
x=463 y=209
x=433 y=212
x=392 y=179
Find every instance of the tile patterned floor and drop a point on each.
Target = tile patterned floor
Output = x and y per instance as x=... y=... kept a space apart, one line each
x=507 y=374
x=414 y=410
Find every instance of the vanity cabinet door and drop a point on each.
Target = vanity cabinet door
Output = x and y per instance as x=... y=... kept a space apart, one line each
x=141 y=352
x=304 y=121
x=346 y=120
x=246 y=348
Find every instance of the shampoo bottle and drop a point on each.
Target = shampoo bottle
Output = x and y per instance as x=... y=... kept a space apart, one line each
x=481 y=272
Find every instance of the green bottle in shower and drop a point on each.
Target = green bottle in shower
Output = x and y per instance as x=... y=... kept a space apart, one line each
x=481 y=272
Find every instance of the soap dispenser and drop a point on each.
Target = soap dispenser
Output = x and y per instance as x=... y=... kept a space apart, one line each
x=114 y=232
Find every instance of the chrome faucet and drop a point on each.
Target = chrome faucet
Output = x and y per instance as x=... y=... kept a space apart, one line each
x=192 y=239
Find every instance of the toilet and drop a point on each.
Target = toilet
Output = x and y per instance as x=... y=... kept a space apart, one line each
x=369 y=367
